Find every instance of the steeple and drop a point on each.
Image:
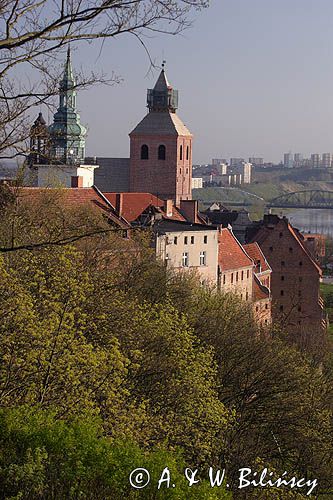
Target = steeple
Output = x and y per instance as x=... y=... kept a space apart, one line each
x=39 y=142
x=67 y=133
x=162 y=97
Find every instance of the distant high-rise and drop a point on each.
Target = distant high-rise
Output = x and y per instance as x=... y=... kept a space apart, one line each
x=298 y=158
x=257 y=162
x=315 y=160
x=218 y=161
x=234 y=162
x=288 y=161
x=326 y=161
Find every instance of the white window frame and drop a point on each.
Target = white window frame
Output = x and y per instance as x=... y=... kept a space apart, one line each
x=185 y=259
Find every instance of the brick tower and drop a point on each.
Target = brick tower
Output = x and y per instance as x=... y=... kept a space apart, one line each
x=161 y=147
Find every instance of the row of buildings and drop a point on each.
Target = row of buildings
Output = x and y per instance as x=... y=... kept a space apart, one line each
x=222 y=173
x=316 y=160
x=267 y=263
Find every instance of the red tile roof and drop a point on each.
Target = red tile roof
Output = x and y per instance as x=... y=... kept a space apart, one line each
x=254 y=252
x=70 y=197
x=134 y=204
x=231 y=253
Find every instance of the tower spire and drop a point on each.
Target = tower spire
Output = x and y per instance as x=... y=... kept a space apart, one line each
x=162 y=97
x=67 y=133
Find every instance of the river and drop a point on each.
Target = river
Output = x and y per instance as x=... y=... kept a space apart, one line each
x=311 y=220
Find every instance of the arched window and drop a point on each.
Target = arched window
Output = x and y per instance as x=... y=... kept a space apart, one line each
x=181 y=153
x=187 y=152
x=144 y=152
x=161 y=152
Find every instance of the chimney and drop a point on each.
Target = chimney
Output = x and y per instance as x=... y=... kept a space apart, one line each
x=119 y=203
x=76 y=181
x=189 y=209
x=168 y=204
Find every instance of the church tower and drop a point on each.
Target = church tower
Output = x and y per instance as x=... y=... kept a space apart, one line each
x=67 y=133
x=58 y=151
x=161 y=147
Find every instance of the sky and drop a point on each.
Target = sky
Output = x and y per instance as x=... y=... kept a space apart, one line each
x=255 y=78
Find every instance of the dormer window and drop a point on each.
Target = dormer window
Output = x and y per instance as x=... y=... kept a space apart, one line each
x=161 y=152
x=144 y=152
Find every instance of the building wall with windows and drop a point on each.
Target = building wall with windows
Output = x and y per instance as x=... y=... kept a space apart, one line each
x=235 y=266
x=296 y=301
x=189 y=247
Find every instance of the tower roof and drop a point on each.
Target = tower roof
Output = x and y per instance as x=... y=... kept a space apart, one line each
x=39 y=120
x=162 y=97
x=68 y=76
x=162 y=83
x=155 y=123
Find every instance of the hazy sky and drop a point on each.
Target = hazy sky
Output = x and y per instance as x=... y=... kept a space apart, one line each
x=255 y=77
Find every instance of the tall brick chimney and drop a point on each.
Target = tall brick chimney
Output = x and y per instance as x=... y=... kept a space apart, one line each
x=119 y=203
x=168 y=204
x=189 y=209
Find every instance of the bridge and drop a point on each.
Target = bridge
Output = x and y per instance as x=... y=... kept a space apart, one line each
x=313 y=198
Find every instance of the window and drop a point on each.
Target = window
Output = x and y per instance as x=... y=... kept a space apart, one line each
x=242 y=275
x=281 y=308
x=185 y=259
x=185 y=240
x=202 y=258
x=187 y=152
x=257 y=308
x=237 y=276
x=205 y=239
x=266 y=306
x=232 y=277
x=300 y=263
x=282 y=263
x=299 y=293
x=266 y=321
x=282 y=278
x=300 y=279
x=181 y=152
x=280 y=235
x=271 y=249
x=192 y=240
x=144 y=152
x=175 y=240
x=247 y=296
x=299 y=309
x=224 y=279
x=282 y=293
x=248 y=274
x=291 y=249
x=161 y=152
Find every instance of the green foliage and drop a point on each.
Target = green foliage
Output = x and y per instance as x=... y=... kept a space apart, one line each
x=109 y=362
x=42 y=457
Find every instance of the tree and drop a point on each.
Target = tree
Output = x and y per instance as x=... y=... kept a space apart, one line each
x=41 y=457
x=34 y=33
